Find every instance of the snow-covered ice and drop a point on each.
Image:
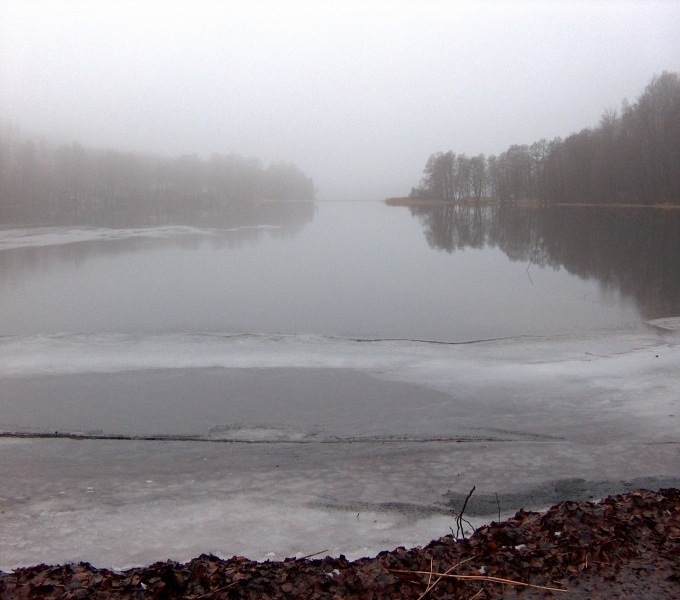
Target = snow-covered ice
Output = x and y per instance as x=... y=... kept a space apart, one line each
x=404 y=429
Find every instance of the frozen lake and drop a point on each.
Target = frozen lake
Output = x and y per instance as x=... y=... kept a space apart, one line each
x=338 y=379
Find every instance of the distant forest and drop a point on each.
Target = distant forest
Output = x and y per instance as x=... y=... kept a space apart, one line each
x=43 y=183
x=631 y=157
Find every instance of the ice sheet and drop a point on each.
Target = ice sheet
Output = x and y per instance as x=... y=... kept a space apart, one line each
x=82 y=353
x=55 y=236
x=602 y=376
x=597 y=411
x=120 y=504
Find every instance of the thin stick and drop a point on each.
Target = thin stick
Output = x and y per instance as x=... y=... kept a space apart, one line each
x=313 y=554
x=484 y=578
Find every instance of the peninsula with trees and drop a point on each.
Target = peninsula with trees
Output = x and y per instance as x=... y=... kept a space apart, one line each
x=631 y=157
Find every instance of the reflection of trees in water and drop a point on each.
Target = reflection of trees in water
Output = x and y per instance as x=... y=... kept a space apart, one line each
x=635 y=251
x=451 y=226
x=253 y=219
x=272 y=219
x=291 y=215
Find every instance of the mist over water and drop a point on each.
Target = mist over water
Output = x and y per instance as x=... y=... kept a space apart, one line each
x=357 y=270
x=357 y=94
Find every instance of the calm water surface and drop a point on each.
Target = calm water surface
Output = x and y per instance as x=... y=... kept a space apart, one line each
x=354 y=269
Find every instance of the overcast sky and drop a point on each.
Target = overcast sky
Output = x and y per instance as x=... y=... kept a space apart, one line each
x=357 y=94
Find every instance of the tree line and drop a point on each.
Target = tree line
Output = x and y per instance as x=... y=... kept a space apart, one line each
x=44 y=183
x=630 y=157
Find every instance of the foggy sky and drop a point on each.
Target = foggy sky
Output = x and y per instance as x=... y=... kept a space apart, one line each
x=356 y=93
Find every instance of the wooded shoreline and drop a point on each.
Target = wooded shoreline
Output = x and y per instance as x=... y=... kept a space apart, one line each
x=524 y=203
x=630 y=158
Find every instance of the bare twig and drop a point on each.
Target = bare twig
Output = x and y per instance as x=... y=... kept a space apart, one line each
x=460 y=530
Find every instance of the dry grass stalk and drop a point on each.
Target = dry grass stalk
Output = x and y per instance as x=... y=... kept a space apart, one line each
x=481 y=578
x=430 y=585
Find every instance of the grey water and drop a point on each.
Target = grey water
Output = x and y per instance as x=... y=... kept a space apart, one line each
x=348 y=269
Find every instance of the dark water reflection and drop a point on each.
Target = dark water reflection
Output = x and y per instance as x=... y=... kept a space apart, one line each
x=632 y=251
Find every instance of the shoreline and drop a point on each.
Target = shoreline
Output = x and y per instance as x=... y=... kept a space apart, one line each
x=524 y=203
x=626 y=545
